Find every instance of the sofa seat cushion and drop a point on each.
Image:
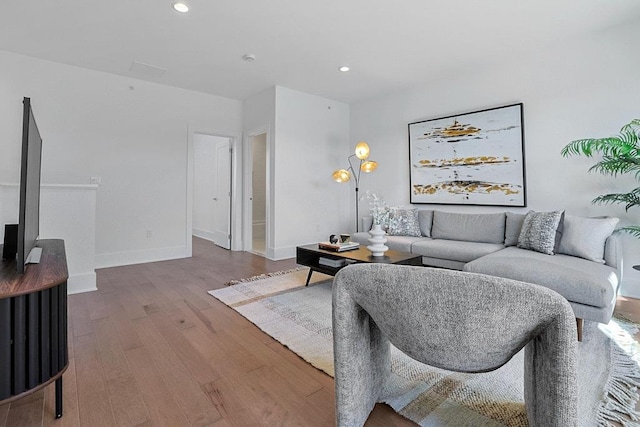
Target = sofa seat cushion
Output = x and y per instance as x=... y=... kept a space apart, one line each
x=576 y=279
x=402 y=243
x=396 y=243
x=453 y=250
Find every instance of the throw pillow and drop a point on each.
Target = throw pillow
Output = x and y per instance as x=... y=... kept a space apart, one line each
x=586 y=237
x=539 y=231
x=513 y=228
x=404 y=222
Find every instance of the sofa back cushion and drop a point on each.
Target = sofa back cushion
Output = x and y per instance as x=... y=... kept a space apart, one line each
x=425 y=220
x=485 y=228
x=513 y=227
x=586 y=237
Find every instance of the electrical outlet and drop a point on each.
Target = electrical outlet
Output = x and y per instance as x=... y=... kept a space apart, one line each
x=149 y=234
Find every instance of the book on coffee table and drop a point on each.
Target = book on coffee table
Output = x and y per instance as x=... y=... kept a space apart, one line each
x=339 y=247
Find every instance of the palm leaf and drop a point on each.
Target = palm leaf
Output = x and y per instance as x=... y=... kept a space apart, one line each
x=588 y=147
x=617 y=165
x=634 y=230
x=630 y=199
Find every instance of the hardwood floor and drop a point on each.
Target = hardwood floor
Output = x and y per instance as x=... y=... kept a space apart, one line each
x=151 y=348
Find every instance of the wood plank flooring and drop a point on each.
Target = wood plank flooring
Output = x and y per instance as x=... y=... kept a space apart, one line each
x=151 y=348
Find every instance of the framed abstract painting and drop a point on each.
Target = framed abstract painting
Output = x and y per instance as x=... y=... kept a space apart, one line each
x=473 y=158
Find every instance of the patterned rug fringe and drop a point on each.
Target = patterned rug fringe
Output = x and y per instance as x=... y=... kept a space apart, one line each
x=621 y=391
x=264 y=276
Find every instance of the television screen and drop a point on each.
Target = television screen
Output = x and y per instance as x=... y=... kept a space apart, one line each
x=29 y=217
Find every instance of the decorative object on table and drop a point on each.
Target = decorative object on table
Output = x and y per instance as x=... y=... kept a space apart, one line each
x=379 y=210
x=620 y=155
x=338 y=247
x=377 y=240
x=344 y=238
x=333 y=239
x=344 y=175
x=473 y=158
x=334 y=263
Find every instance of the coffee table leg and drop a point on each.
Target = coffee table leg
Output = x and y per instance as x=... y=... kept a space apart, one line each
x=309 y=276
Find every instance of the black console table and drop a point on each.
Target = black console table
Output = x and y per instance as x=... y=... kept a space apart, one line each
x=33 y=325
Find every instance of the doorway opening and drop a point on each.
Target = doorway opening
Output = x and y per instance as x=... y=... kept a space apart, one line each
x=258 y=198
x=211 y=217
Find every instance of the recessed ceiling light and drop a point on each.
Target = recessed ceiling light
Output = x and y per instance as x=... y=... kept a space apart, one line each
x=344 y=68
x=181 y=7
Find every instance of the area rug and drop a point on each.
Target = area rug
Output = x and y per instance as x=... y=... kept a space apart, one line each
x=299 y=317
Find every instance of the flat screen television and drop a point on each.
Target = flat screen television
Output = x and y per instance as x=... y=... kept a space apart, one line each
x=29 y=214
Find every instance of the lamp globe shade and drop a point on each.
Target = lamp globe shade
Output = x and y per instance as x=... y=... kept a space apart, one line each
x=341 y=175
x=369 y=166
x=362 y=150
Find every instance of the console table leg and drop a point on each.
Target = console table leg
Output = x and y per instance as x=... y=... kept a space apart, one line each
x=309 y=276
x=59 y=397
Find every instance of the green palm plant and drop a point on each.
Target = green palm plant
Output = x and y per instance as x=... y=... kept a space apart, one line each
x=620 y=155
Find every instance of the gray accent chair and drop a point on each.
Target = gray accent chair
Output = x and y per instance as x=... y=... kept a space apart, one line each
x=458 y=321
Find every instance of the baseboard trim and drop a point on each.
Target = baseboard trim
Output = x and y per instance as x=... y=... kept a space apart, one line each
x=117 y=259
x=203 y=234
x=79 y=283
x=630 y=288
x=281 y=253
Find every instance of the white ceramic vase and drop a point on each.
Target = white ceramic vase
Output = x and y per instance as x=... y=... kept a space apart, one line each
x=377 y=240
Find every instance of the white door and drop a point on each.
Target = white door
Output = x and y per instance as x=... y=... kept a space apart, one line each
x=222 y=195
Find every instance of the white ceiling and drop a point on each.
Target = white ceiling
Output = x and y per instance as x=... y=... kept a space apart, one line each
x=298 y=44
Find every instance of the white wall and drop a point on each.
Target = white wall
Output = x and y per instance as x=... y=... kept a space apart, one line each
x=307 y=139
x=57 y=221
x=132 y=134
x=311 y=141
x=259 y=118
x=578 y=89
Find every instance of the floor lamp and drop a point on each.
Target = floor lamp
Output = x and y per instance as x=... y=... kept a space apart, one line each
x=344 y=175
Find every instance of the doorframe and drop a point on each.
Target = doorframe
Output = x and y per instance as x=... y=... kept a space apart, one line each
x=248 y=187
x=236 y=178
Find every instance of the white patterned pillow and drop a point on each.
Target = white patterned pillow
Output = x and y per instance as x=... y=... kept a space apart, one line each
x=404 y=222
x=539 y=231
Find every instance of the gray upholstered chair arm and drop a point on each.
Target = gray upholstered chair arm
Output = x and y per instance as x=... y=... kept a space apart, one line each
x=368 y=363
x=550 y=375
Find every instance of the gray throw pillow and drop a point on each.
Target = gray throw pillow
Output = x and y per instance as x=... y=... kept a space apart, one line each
x=403 y=222
x=539 y=231
x=586 y=237
x=513 y=227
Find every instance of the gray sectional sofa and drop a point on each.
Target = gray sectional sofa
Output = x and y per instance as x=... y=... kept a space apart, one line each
x=586 y=267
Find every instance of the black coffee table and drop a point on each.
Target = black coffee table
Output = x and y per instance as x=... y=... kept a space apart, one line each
x=310 y=256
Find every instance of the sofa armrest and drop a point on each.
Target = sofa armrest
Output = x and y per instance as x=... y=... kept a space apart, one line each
x=613 y=252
